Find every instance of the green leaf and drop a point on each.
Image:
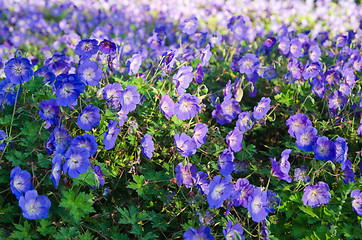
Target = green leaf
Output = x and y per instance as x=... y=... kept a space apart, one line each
x=45 y=228
x=23 y=231
x=131 y=216
x=308 y=210
x=79 y=206
x=86 y=236
x=138 y=184
x=66 y=233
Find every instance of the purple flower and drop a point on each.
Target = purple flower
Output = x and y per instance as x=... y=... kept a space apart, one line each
x=357 y=201
x=49 y=110
x=76 y=161
x=240 y=30
x=98 y=177
x=337 y=101
x=34 y=206
x=167 y=106
x=20 y=182
x=270 y=73
x=199 y=74
x=258 y=205
x=311 y=70
x=87 y=47
x=241 y=193
x=185 y=174
x=203 y=233
x=262 y=108
x=185 y=144
x=301 y=174
x=122 y=117
x=134 y=63
x=147 y=146
x=279 y=172
x=189 y=25
x=219 y=115
x=130 y=98
x=244 y=122
x=296 y=122
x=284 y=45
x=306 y=137
x=112 y=93
x=226 y=162
x=230 y=108
x=233 y=231
x=187 y=107
x=110 y=137
x=89 y=118
x=316 y=195
x=248 y=64
x=207 y=219
x=107 y=47
x=183 y=78
x=199 y=136
x=18 y=70
x=202 y=182
x=86 y=141
x=205 y=55
x=295 y=67
x=296 y=48
x=7 y=92
x=341 y=41
x=318 y=86
x=324 y=149
x=235 y=140
x=219 y=191
x=56 y=169
x=68 y=89
x=314 y=53
x=89 y=73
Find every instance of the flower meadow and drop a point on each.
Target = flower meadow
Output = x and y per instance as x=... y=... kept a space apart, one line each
x=180 y=119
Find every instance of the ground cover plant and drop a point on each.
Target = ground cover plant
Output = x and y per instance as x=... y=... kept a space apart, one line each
x=180 y=120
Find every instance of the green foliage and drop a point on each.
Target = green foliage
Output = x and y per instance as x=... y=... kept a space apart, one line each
x=79 y=205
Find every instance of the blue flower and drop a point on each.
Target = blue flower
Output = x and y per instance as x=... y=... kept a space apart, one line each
x=49 y=110
x=296 y=122
x=301 y=174
x=233 y=231
x=98 y=177
x=187 y=107
x=56 y=169
x=185 y=144
x=357 y=201
x=167 y=106
x=189 y=25
x=20 y=182
x=87 y=47
x=185 y=174
x=306 y=137
x=76 y=161
x=112 y=93
x=199 y=136
x=248 y=64
x=244 y=122
x=68 y=89
x=226 y=162
x=130 y=98
x=3 y=136
x=262 y=108
x=241 y=193
x=86 y=141
x=110 y=137
x=34 y=206
x=235 y=140
x=89 y=73
x=18 y=70
x=89 y=118
x=202 y=182
x=134 y=63
x=147 y=146
x=324 y=149
x=183 y=78
x=258 y=205
x=316 y=195
x=203 y=233
x=219 y=191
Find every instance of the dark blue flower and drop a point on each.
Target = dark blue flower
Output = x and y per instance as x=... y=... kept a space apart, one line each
x=306 y=137
x=56 y=169
x=87 y=47
x=324 y=149
x=86 y=141
x=89 y=73
x=49 y=110
x=3 y=136
x=226 y=162
x=68 y=89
